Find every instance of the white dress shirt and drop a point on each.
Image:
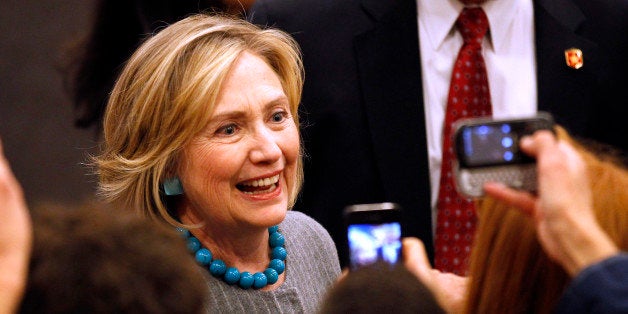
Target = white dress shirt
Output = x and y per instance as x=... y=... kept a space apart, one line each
x=509 y=54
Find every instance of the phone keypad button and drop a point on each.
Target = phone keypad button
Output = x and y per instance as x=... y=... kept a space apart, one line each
x=519 y=177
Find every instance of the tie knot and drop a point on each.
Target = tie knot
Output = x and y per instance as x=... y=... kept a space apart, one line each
x=473 y=25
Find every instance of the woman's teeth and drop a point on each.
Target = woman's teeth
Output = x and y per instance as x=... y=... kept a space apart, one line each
x=259 y=186
x=262 y=182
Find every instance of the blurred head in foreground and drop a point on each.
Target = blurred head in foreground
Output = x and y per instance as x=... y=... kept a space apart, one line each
x=90 y=260
x=379 y=288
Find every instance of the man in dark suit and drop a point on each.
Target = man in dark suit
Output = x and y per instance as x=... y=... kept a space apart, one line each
x=363 y=112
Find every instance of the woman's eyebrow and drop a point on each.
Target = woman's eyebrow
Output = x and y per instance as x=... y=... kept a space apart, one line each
x=279 y=100
x=240 y=113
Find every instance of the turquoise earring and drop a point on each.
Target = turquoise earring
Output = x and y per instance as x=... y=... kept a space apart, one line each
x=172 y=186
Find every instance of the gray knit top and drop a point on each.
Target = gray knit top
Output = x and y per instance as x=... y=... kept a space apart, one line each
x=312 y=266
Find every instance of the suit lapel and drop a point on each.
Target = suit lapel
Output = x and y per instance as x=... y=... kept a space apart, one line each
x=389 y=72
x=564 y=91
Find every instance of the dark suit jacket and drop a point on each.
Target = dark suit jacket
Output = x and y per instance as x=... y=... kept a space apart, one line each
x=363 y=124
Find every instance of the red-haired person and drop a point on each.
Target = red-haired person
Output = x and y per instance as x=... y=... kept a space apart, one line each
x=559 y=250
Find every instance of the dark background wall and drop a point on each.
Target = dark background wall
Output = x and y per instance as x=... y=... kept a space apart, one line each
x=44 y=148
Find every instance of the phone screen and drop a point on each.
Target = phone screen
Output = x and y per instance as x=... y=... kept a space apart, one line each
x=495 y=143
x=370 y=243
x=373 y=234
x=491 y=145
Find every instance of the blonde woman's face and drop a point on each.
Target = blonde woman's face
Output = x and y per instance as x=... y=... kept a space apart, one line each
x=239 y=170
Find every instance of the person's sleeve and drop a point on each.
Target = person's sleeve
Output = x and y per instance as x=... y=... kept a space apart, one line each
x=599 y=288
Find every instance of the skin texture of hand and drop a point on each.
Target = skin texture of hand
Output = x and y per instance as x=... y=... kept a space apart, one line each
x=562 y=210
x=15 y=238
x=449 y=289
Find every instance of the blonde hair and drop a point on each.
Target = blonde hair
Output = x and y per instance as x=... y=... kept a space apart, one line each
x=165 y=96
x=509 y=270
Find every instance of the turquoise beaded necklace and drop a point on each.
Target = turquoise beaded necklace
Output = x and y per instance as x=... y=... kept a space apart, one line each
x=232 y=275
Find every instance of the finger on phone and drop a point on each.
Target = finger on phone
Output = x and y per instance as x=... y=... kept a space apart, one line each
x=521 y=199
x=534 y=144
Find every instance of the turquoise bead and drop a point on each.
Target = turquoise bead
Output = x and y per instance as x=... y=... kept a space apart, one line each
x=271 y=275
x=279 y=253
x=276 y=239
x=203 y=256
x=232 y=275
x=277 y=265
x=260 y=280
x=246 y=280
x=193 y=244
x=217 y=268
x=273 y=229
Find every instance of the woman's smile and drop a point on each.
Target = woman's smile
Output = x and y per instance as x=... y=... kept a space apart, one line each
x=259 y=186
x=262 y=188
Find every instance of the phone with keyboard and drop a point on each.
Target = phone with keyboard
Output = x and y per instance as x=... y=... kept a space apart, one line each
x=488 y=150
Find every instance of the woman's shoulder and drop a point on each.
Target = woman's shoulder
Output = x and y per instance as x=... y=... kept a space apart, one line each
x=294 y=215
x=304 y=226
x=297 y=220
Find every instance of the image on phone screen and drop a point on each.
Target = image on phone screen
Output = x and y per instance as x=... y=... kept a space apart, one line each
x=491 y=145
x=485 y=142
x=370 y=243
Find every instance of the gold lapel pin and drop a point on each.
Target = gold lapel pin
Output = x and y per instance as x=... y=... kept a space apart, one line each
x=574 y=58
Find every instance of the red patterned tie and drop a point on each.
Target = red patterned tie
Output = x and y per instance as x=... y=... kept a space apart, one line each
x=468 y=97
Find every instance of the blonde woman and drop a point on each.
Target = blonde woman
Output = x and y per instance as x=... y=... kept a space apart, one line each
x=202 y=132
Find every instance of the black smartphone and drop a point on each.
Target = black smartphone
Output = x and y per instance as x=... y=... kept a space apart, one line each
x=373 y=234
x=488 y=150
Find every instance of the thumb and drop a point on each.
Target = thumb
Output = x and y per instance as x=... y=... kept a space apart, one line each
x=415 y=258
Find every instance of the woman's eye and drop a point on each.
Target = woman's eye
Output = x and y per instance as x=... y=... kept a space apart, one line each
x=279 y=116
x=227 y=130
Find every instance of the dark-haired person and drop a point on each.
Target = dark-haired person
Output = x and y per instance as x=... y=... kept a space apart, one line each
x=96 y=260
x=379 y=288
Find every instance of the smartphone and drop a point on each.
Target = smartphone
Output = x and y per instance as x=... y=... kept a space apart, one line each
x=488 y=150
x=373 y=234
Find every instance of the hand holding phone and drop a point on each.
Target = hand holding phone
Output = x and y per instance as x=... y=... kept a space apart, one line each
x=488 y=150
x=373 y=234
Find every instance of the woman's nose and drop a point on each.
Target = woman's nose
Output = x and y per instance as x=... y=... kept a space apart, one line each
x=265 y=147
